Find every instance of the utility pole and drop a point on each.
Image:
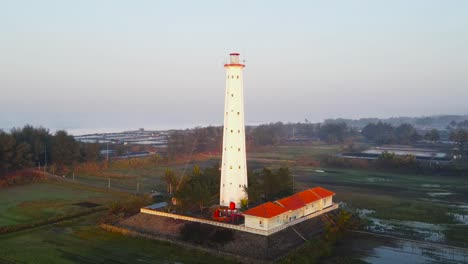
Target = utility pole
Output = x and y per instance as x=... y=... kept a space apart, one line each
x=45 y=159
x=138 y=185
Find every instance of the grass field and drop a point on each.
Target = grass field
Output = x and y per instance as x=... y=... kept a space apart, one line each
x=421 y=206
x=81 y=241
x=148 y=177
x=40 y=201
x=433 y=208
x=294 y=152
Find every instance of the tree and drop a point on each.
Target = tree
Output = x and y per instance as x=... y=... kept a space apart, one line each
x=7 y=152
x=460 y=137
x=200 y=194
x=198 y=187
x=171 y=180
x=334 y=132
x=65 y=150
x=380 y=133
x=406 y=134
x=433 y=135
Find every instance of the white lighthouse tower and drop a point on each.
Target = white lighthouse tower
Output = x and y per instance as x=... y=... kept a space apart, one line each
x=234 y=163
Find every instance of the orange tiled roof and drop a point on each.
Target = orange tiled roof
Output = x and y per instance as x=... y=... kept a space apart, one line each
x=322 y=192
x=266 y=210
x=292 y=202
x=308 y=196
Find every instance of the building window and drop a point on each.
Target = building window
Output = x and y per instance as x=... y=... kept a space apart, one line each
x=237 y=76
x=232 y=95
x=238 y=131
x=238 y=113
x=238 y=149
x=230 y=167
x=239 y=167
x=239 y=185
x=226 y=113
x=260 y=223
x=232 y=76
x=232 y=130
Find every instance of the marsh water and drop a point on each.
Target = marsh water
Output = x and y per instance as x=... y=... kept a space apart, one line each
x=382 y=250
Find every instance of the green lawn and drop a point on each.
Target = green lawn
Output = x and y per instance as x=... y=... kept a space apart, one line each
x=40 y=201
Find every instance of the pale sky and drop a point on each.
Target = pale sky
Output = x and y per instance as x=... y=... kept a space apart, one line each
x=159 y=64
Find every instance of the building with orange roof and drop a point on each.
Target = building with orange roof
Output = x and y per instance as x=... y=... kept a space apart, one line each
x=265 y=216
x=295 y=204
x=312 y=201
x=274 y=214
x=325 y=194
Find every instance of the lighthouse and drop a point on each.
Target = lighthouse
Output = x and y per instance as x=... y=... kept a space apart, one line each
x=234 y=162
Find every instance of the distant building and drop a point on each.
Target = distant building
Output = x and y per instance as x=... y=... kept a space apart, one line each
x=274 y=214
x=421 y=154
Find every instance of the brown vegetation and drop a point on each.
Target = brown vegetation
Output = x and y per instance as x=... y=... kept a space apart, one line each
x=21 y=177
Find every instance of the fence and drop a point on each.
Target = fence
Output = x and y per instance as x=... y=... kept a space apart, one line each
x=238 y=227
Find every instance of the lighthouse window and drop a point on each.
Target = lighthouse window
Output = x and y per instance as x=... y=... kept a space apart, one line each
x=232 y=95
x=239 y=185
x=238 y=113
x=230 y=167
x=239 y=167
x=232 y=131
x=226 y=113
x=238 y=149
x=237 y=76
x=238 y=131
x=232 y=77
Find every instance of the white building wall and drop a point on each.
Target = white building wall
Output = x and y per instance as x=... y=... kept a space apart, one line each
x=256 y=222
x=312 y=207
x=266 y=223
x=234 y=164
x=327 y=201
x=293 y=215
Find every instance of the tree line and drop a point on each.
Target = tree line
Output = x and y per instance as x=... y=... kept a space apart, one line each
x=35 y=146
x=182 y=142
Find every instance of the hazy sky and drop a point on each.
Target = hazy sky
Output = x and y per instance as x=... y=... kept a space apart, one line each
x=158 y=64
